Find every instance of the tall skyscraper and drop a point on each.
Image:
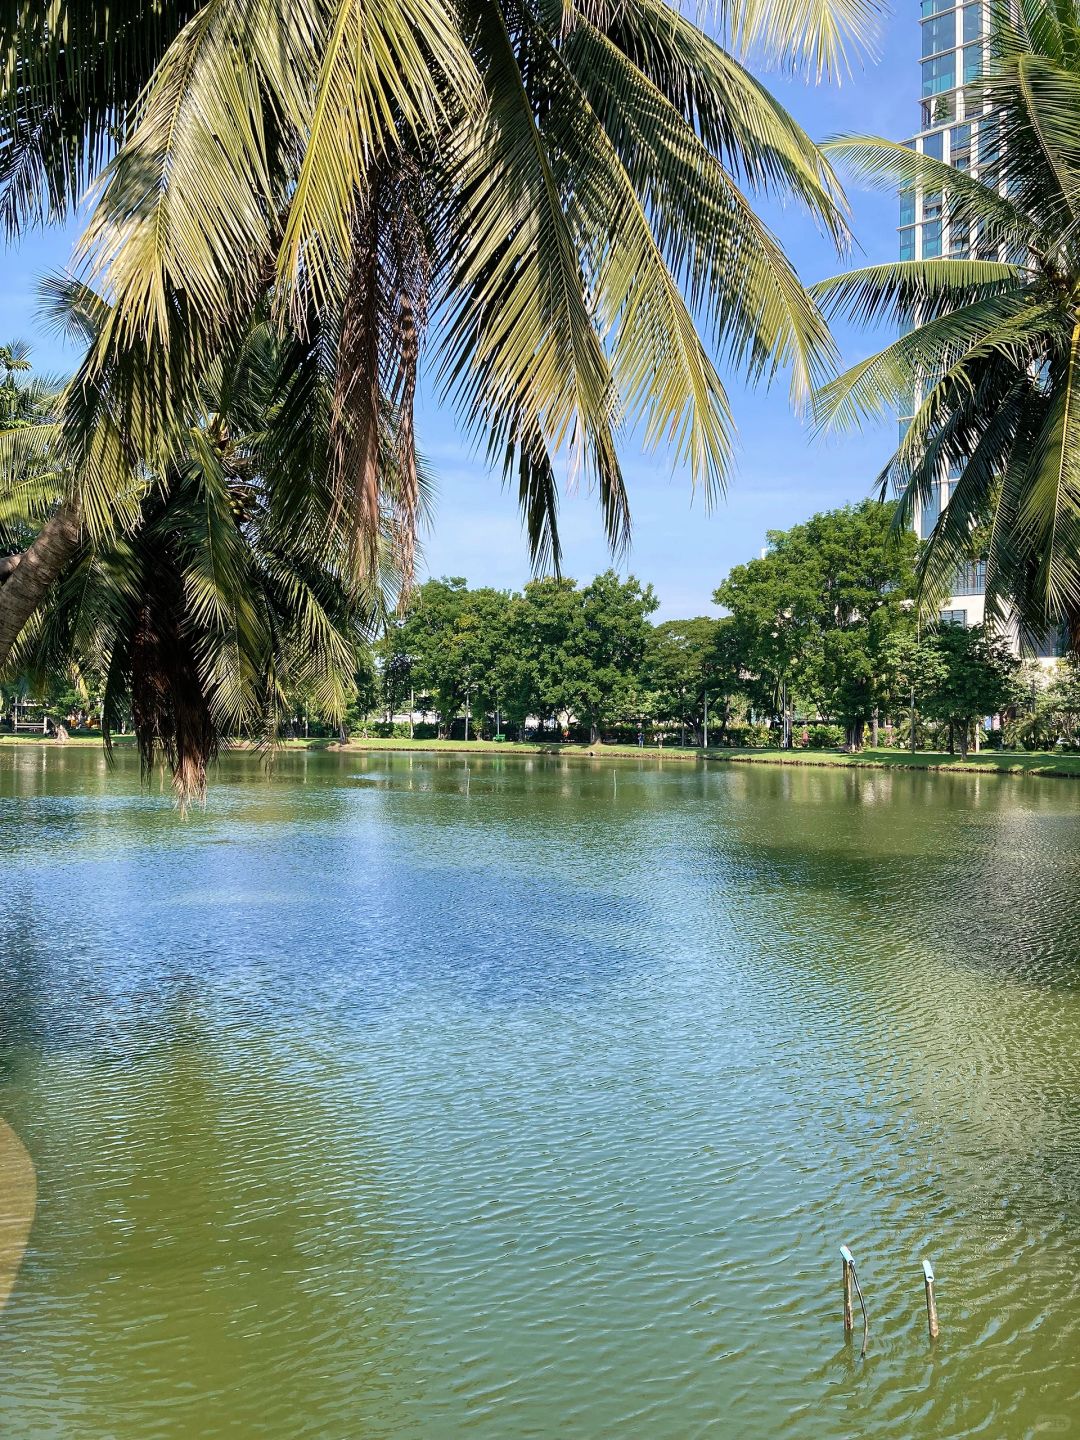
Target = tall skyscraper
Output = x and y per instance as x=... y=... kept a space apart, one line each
x=954 y=128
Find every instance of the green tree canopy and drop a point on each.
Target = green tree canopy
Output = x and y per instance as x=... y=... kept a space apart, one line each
x=815 y=612
x=681 y=669
x=967 y=673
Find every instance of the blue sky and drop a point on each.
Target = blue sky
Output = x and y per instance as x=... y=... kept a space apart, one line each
x=782 y=475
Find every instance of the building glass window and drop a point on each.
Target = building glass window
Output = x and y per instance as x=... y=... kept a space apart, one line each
x=934 y=145
x=937 y=112
x=932 y=205
x=959 y=238
x=938 y=74
x=972 y=22
x=907 y=207
x=952 y=617
x=931 y=239
x=973 y=62
x=907 y=244
x=935 y=7
x=938 y=34
x=970 y=578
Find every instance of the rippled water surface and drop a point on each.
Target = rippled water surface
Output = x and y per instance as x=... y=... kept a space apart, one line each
x=395 y=1096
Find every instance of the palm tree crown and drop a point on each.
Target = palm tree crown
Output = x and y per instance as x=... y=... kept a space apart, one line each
x=991 y=347
x=558 y=193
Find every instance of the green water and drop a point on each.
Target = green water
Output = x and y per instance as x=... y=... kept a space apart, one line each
x=395 y=1096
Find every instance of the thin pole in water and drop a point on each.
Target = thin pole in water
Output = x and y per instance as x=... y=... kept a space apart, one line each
x=851 y=1277
x=931 y=1302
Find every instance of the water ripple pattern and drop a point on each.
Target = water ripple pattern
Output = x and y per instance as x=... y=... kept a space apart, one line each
x=409 y=1096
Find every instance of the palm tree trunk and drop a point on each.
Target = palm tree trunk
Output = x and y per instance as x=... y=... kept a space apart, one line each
x=36 y=570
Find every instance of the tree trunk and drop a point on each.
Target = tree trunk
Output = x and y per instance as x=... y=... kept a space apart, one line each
x=874 y=731
x=33 y=576
x=594 y=734
x=963 y=733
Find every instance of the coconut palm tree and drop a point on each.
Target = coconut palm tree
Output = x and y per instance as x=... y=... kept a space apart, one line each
x=560 y=197
x=222 y=592
x=991 y=345
x=555 y=202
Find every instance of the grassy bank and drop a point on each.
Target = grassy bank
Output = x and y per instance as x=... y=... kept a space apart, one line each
x=989 y=762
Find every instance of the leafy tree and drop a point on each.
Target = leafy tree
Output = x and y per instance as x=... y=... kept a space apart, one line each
x=728 y=680
x=579 y=652
x=813 y=616
x=916 y=668
x=1063 y=695
x=990 y=348
x=478 y=642
x=452 y=645
x=417 y=644
x=607 y=648
x=547 y=622
x=972 y=677
x=680 y=666
x=366 y=693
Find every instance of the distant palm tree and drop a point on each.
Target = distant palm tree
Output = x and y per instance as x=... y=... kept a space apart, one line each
x=991 y=349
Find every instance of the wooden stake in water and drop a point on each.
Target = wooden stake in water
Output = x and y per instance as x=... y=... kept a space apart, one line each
x=849 y=1265
x=931 y=1302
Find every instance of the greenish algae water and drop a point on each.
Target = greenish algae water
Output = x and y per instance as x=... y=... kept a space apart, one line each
x=403 y=1096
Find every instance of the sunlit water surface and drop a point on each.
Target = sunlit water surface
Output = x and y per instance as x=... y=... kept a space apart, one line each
x=398 y=1096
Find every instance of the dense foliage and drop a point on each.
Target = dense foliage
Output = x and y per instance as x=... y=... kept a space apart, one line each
x=556 y=203
x=821 y=639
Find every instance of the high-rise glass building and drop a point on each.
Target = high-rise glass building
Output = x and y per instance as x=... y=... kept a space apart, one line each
x=954 y=128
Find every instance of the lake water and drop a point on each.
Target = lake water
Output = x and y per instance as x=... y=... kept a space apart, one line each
x=398 y=1096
